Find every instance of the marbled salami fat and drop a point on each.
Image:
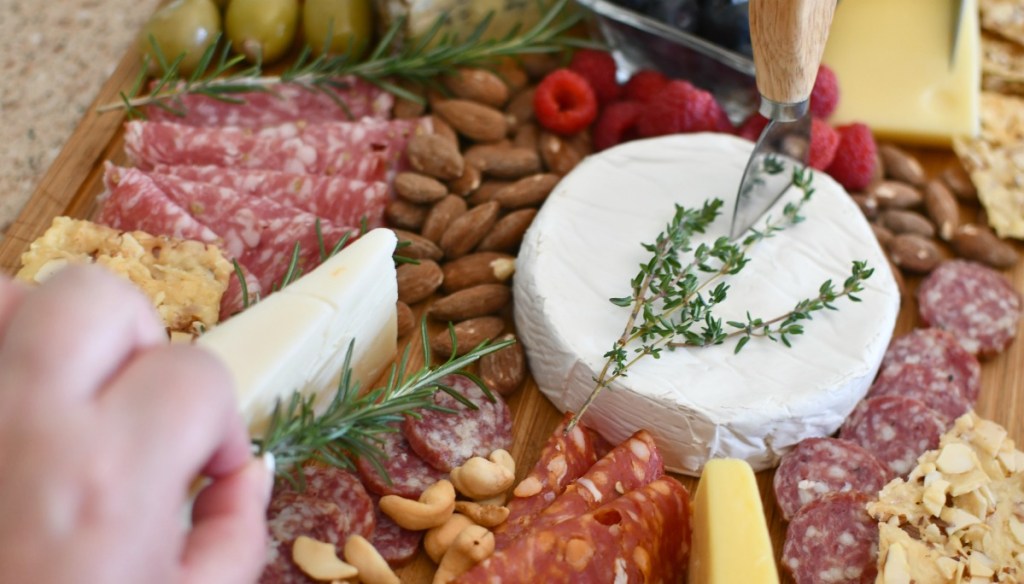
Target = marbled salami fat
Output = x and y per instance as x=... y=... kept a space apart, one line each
x=446 y=440
x=895 y=429
x=641 y=537
x=935 y=349
x=344 y=489
x=832 y=540
x=409 y=474
x=973 y=302
x=931 y=386
x=819 y=467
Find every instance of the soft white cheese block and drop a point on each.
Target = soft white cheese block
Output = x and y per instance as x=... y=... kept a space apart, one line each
x=297 y=339
x=584 y=248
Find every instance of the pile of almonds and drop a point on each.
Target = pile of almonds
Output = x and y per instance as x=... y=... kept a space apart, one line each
x=472 y=189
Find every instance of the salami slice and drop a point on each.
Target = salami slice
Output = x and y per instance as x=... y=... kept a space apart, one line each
x=342 y=488
x=973 y=302
x=929 y=385
x=445 y=440
x=832 y=540
x=287 y=102
x=630 y=465
x=410 y=475
x=819 y=467
x=934 y=349
x=895 y=429
x=642 y=536
x=397 y=545
x=337 y=199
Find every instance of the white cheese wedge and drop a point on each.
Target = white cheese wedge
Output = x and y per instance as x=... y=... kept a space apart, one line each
x=584 y=248
x=297 y=339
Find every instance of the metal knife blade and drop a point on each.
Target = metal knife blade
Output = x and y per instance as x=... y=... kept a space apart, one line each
x=958 y=17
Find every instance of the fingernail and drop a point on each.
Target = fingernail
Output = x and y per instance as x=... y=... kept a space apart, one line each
x=270 y=464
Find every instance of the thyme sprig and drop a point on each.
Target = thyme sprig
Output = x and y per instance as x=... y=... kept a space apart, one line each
x=672 y=304
x=218 y=75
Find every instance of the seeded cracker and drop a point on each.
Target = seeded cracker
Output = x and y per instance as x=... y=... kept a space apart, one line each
x=1002 y=65
x=1005 y=17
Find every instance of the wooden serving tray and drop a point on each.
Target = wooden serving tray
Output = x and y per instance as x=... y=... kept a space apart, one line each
x=72 y=184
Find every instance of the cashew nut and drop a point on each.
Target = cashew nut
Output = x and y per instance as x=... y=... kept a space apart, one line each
x=437 y=541
x=373 y=568
x=486 y=515
x=502 y=457
x=319 y=561
x=473 y=545
x=480 y=478
x=433 y=508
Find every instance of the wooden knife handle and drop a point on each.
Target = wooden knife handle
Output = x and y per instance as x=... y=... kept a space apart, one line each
x=788 y=38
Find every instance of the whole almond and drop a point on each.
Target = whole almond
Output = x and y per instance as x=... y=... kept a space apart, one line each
x=538 y=65
x=484 y=267
x=883 y=235
x=419 y=188
x=512 y=73
x=406 y=319
x=466 y=184
x=435 y=156
x=867 y=203
x=415 y=246
x=527 y=192
x=505 y=161
x=441 y=216
x=479 y=85
x=900 y=165
x=942 y=208
x=559 y=155
x=520 y=109
x=914 y=253
x=417 y=282
x=507 y=233
x=958 y=181
x=471 y=302
x=405 y=109
x=896 y=194
x=466 y=231
x=441 y=128
x=473 y=120
x=504 y=370
x=527 y=136
x=974 y=242
x=485 y=193
x=405 y=215
x=878 y=172
x=468 y=334
x=900 y=221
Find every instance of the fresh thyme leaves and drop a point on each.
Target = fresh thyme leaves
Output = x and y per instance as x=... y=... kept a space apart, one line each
x=352 y=423
x=217 y=75
x=672 y=304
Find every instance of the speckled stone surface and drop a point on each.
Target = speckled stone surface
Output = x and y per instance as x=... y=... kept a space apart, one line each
x=54 y=56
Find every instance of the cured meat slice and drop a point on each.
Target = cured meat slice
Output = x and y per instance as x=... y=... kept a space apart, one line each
x=643 y=536
x=630 y=465
x=973 y=302
x=288 y=102
x=151 y=143
x=445 y=440
x=832 y=540
x=819 y=467
x=342 y=488
x=234 y=299
x=895 y=429
x=337 y=199
x=932 y=386
x=397 y=545
x=410 y=475
x=934 y=349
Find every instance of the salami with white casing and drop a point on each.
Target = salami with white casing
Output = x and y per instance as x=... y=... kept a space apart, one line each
x=895 y=429
x=832 y=540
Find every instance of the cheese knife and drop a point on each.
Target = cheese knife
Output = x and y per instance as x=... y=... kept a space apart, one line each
x=958 y=17
x=788 y=38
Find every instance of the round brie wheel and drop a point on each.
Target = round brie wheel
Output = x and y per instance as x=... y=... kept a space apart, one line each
x=584 y=247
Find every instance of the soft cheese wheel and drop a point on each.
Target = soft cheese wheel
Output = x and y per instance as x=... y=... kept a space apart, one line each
x=584 y=247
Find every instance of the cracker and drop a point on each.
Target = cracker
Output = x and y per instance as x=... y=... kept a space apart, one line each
x=1002 y=58
x=1004 y=17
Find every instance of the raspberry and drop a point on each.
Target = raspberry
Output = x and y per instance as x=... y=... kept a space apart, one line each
x=824 y=141
x=643 y=85
x=598 y=68
x=564 y=102
x=681 y=107
x=616 y=124
x=825 y=95
x=752 y=127
x=854 y=163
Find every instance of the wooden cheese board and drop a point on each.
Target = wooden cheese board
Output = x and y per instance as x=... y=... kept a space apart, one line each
x=72 y=184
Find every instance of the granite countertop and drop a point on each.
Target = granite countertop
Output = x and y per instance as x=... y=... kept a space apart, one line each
x=54 y=56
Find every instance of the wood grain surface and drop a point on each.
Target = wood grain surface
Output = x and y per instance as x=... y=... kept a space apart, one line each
x=73 y=182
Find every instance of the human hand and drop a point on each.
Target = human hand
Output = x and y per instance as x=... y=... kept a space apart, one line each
x=103 y=428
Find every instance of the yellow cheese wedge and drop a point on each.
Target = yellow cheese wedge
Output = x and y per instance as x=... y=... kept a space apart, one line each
x=730 y=536
x=892 y=58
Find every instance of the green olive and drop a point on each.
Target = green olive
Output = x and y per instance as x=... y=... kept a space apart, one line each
x=347 y=23
x=182 y=27
x=262 y=30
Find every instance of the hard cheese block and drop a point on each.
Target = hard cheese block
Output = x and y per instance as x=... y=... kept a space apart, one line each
x=892 y=58
x=731 y=544
x=584 y=248
x=297 y=339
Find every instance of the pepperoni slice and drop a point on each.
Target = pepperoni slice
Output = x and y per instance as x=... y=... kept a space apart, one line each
x=410 y=475
x=832 y=540
x=895 y=429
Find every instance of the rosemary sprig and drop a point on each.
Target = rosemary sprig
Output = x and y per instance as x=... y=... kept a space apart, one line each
x=217 y=74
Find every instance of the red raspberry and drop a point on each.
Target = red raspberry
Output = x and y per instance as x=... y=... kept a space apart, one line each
x=752 y=127
x=598 y=68
x=617 y=124
x=564 y=102
x=825 y=95
x=854 y=164
x=824 y=142
x=681 y=107
x=643 y=85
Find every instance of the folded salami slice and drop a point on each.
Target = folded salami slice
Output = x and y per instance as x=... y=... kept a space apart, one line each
x=339 y=200
x=832 y=540
x=938 y=350
x=935 y=388
x=287 y=102
x=397 y=545
x=819 y=467
x=895 y=429
x=410 y=475
x=643 y=536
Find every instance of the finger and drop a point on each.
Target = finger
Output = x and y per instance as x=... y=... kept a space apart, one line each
x=69 y=336
x=227 y=543
x=11 y=295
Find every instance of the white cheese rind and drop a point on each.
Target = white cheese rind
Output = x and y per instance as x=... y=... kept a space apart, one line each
x=584 y=247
